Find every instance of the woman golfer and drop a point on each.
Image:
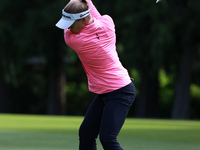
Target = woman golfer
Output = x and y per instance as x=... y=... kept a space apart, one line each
x=92 y=36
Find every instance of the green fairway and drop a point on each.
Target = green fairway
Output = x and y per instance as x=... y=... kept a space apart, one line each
x=27 y=132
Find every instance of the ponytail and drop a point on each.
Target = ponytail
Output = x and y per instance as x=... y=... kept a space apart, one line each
x=84 y=1
x=76 y=6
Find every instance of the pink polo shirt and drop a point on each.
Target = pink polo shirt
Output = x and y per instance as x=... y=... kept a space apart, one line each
x=96 y=49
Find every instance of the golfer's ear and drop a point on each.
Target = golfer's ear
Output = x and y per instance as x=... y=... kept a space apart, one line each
x=84 y=20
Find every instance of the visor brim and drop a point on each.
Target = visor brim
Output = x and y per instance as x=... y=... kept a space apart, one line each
x=64 y=24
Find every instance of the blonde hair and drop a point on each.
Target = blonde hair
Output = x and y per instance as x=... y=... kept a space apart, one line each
x=76 y=6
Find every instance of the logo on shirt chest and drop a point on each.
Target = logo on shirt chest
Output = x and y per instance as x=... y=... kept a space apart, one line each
x=97 y=36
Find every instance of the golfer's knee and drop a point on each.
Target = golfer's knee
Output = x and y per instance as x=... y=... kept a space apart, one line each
x=107 y=140
x=86 y=133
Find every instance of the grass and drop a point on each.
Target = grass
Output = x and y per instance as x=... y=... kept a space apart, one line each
x=28 y=132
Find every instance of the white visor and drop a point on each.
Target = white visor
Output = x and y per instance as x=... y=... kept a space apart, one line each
x=68 y=19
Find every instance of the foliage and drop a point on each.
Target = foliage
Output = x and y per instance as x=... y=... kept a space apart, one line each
x=150 y=42
x=78 y=95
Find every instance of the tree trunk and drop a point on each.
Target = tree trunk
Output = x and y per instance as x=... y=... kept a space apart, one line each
x=182 y=96
x=147 y=101
x=61 y=82
x=142 y=100
x=4 y=101
x=56 y=86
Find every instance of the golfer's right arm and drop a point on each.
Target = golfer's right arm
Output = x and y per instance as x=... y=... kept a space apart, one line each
x=94 y=12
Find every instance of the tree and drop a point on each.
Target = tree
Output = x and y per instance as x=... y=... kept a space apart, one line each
x=29 y=27
x=150 y=37
x=187 y=37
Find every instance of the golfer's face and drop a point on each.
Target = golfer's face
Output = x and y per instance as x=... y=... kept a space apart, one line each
x=77 y=26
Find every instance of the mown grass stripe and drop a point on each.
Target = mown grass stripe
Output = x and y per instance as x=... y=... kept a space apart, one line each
x=37 y=132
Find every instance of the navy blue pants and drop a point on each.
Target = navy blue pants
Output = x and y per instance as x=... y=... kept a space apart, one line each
x=105 y=118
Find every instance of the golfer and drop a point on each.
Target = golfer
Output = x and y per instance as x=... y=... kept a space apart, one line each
x=92 y=36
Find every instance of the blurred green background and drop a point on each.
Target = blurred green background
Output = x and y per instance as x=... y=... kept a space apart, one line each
x=159 y=44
